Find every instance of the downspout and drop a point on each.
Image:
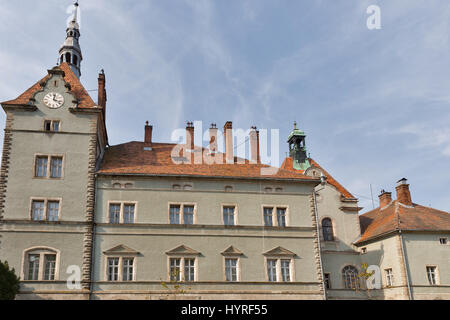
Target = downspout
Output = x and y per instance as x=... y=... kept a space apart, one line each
x=318 y=243
x=404 y=265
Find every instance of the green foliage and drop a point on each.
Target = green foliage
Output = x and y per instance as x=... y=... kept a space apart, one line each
x=9 y=282
x=174 y=287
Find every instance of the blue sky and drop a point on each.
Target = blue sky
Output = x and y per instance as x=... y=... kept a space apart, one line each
x=374 y=103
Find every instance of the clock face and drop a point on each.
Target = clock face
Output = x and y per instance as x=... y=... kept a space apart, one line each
x=53 y=100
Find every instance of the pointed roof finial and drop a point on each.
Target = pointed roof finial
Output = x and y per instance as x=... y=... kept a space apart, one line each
x=295 y=125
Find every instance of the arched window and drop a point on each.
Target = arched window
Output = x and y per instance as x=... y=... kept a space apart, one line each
x=350 y=277
x=62 y=59
x=327 y=229
x=75 y=60
x=68 y=57
x=40 y=264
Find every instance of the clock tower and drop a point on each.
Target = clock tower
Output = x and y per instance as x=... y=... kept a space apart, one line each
x=70 y=51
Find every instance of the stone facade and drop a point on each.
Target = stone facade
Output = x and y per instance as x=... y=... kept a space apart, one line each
x=80 y=219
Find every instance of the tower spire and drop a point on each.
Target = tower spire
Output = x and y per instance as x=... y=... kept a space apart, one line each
x=70 y=51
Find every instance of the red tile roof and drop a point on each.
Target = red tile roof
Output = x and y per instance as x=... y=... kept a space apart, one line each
x=399 y=217
x=131 y=158
x=288 y=165
x=85 y=101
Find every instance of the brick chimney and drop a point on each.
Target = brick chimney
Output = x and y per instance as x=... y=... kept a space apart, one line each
x=403 y=194
x=102 y=90
x=148 y=133
x=254 y=145
x=213 y=138
x=190 y=136
x=229 y=152
x=385 y=198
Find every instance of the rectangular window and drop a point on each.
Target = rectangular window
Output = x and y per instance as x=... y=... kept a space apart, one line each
x=113 y=269
x=41 y=167
x=175 y=271
x=268 y=217
x=37 y=208
x=228 y=216
x=114 y=213
x=389 y=277
x=51 y=125
x=50 y=264
x=56 y=167
x=189 y=269
x=47 y=125
x=33 y=267
x=52 y=210
x=128 y=213
x=174 y=214
x=127 y=272
x=272 y=270
x=327 y=280
x=285 y=270
x=231 y=269
x=281 y=217
x=431 y=274
x=443 y=240
x=55 y=126
x=188 y=214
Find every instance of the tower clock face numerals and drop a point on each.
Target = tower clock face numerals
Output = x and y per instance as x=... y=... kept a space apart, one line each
x=53 y=100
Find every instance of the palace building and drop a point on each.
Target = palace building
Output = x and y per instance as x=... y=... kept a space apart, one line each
x=131 y=221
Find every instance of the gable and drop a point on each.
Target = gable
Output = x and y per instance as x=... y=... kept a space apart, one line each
x=280 y=251
x=183 y=250
x=232 y=251
x=121 y=249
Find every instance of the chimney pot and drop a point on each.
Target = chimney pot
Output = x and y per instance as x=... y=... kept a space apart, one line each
x=148 y=133
x=213 y=138
x=102 y=89
x=403 y=193
x=229 y=152
x=190 y=136
x=254 y=145
x=385 y=198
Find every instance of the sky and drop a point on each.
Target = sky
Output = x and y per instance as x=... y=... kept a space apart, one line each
x=375 y=104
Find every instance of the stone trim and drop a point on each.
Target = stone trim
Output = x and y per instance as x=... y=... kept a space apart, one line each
x=7 y=142
x=86 y=270
x=403 y=276
x=317 y=254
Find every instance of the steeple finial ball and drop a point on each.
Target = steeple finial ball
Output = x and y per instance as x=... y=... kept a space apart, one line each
x=146 y=123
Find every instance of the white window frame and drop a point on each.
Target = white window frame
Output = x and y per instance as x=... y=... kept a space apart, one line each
x=41 y=251
x=235 y=213
x=49 y=160
x=122 y=205
x=275 y=207
x=120 y=267
x=182 y=275
x=182 y=204
x=238 y=267
x=46 y=200
x=389 y=276
x=436 y=275
x=278 y=268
